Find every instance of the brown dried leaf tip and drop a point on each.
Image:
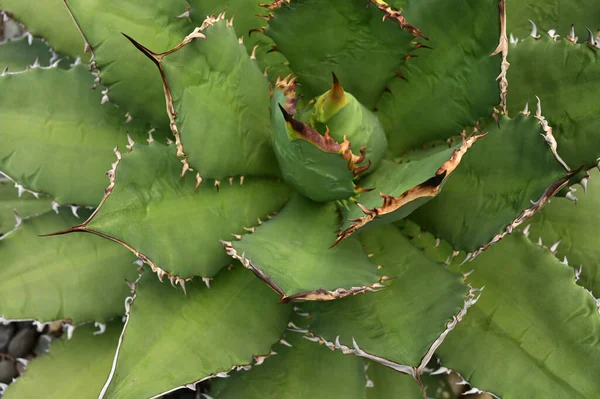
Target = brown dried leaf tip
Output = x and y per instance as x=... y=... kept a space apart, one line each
x=397 y=16
x=430 y=188
x=327 y=143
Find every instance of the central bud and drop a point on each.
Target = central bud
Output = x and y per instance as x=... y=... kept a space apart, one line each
x=324 y=149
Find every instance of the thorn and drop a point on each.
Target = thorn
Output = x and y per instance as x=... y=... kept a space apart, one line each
x=253 y=55
x=552 y=33
x=74 y=211
x=571 y=37
x=591 y=39
x=565 y=261
x=534 y=33
x=231 y=180
x=513 y=40
x=526 y=230
x=571 y=197
x=584 y=183
x=554 y=247
x=242 y=180
x=218 y=184
x=131 y=142
x=198 y=180
x=206 y=280
x=172 y=279
x=150 y=138
x=538 y=110
x=182 y=284
x=539 y=242
x=526 y=109
x=237 y=236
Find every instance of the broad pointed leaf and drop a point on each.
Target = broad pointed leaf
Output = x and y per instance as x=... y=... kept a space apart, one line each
x=49 y=19
x=566 y=78
x=450 y=85
x=171 y=225
x=577 y=226
x=24 y=205
x=173 y=340
x=77 y=277
x=218 y=102
x=401 y=325
x=504 y=179
x=74 y=368
x=323 y=36
x=61 y=147
x=300 y=370
x=397 y=189
x=533 y=332
x=292 y=254
x=132 y=80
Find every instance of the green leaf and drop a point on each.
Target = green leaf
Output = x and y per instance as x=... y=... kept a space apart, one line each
x=18 y=54
x=490 y=192
x=172 y=340
x=74 y=368
x=551 y=14
x=132 y=80
x=61 y=147
x=401 y=325
x=292 y=254
x=49 y=19
x=566 y=78
x=533 y=333
x=451 y=85
x=323 y=36
x=388 y=383
x=218 y=102
x=576 y=225
x=397 y=189
x=25 y=205
x=300 y=370
x=175 y=229
x=78 y=277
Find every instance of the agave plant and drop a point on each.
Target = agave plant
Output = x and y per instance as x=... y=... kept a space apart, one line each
x=341 y=200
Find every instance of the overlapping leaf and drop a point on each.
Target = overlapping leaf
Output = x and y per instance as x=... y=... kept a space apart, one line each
x=16 y=55
x=577 y=227
x=504 y=179
x=218 y=102
x=451 y=85
x=50 y=20
x=171 y=340
x=61 y=147
x=533 y=332
x=292 y=254
x=306 y=370
x=321 y=36
x=550 y=14
x=74 y=368
x=401 y=325
x=23 y=204
x=132 y=80
x=78 y=277
x=173 y=227
x=399 y=188
x=566 y=78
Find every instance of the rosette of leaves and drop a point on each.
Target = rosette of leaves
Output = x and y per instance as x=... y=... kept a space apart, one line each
x=307 y=198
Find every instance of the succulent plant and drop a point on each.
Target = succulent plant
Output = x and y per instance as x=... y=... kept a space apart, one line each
x=311 y=198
